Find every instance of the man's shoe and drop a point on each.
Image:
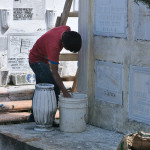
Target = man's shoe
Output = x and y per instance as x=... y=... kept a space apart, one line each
x=31 y=118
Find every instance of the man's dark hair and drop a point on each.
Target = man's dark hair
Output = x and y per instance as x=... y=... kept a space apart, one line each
x=72 y=41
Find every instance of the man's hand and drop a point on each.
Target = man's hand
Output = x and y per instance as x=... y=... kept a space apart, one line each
x=66 y=94
x=54 y=69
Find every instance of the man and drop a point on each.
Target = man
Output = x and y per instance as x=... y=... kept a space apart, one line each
x=44 y=56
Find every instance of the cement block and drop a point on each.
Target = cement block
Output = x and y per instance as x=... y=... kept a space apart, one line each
x=23 y=78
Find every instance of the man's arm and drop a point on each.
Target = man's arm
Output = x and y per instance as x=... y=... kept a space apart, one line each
x=54 y=69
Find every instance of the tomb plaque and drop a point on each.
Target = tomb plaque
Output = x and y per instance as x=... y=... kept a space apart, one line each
x=108 y=82
x=139 y=102
x=110 y=18
x=19 y=46
x=29 y=10
x=142 y=22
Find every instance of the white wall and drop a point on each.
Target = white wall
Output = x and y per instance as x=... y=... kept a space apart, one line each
x=6 y=4
x=36 y=27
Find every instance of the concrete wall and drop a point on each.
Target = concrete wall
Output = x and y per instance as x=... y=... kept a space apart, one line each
x=129 y=59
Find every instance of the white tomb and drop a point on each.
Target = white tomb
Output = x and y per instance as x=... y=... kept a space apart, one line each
x=108 y=82
x=19 y=46
x=110 y=18
x=29 y=10
x=142 y=22
x=139 y=95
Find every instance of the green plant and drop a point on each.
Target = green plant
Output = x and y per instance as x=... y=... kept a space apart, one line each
x=146 y=2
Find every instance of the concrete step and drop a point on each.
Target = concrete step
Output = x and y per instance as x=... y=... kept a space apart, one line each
x=23 y=137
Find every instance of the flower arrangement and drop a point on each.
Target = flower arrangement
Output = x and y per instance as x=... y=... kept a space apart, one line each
x=146 y=2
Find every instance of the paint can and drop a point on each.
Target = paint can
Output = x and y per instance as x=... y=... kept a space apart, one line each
x=72 y=112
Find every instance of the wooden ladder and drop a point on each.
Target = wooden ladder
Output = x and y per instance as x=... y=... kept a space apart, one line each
x=62 y=20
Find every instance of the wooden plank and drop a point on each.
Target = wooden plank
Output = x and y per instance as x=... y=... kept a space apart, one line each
x=13 y=117
x=73 y=14
x=68 y=57
x=66 y=11
x=68 y=78
x=15 y=105
x=58 y=21
x=74 y=86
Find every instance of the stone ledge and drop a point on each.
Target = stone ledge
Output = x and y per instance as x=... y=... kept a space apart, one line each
x=13 y=144
x=24 y=134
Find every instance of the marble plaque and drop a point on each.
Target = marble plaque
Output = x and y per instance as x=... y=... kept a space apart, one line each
x=110 y=18
x=139 y=94
x=29 y=10
x=19 y=46
x=142 y=22
x=108 y=82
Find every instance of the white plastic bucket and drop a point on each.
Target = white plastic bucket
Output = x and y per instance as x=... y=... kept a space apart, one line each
x=73 y=113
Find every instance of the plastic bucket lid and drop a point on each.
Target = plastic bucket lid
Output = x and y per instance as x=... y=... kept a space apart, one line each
x=76 y=97
x=77 y=100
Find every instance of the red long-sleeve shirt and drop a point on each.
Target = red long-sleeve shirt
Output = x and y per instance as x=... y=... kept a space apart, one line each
x=48 y=46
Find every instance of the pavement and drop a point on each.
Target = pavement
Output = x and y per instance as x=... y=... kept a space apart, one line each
x=24 y=137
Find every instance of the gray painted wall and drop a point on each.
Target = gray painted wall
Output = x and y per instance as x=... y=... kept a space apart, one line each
x=126 y=51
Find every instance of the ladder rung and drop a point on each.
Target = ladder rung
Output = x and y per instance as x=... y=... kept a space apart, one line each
x=73 y=14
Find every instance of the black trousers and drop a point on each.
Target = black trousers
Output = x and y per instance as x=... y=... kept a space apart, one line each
x=44 y=75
